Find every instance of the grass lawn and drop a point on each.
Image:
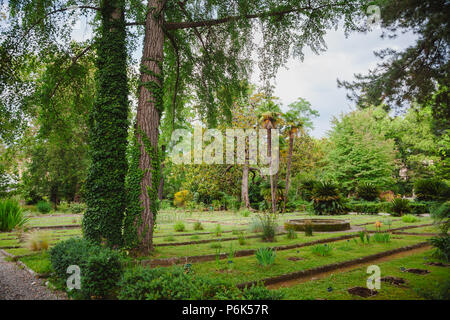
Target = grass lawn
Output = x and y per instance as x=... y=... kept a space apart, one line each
x=418 y=286
x=246 y=269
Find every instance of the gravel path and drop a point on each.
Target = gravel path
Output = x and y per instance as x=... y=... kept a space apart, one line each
x=18 y=284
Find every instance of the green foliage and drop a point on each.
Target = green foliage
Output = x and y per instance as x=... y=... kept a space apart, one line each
x=322 y=250
x=409 y=218
x=367 y=191
x=400 y=206
x=265 y=256
x=442 y=246
x=306 y=189
x=358 y=151
x=105 y=184
x=327 y=199
x=245 y=213
x=268 y=223
x=431 y=190
x=241 y=239
x=420 y=207
x=367 y=207
x=218 y=230
x=381 y=237
x=100 y=267
x=198 y=226
x=44 y=207
x=11 y=215
x=179 y=226
x=176 y=284
x=77 y=207
x=291 y=234
x=441 y=215
x=308 y=229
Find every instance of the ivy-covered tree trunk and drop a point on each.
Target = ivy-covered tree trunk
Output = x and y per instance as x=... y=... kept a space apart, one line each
x=105 y=192
x=288 y=169
x=150 y=106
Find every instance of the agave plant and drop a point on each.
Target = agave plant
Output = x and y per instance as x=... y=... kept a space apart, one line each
x=367 y=191
x=327 y=199
x=400 y=206
x=11 y=215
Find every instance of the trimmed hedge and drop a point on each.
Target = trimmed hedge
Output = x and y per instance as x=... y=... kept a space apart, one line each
x=100 y=267
x=369 y=207
x=176 y=283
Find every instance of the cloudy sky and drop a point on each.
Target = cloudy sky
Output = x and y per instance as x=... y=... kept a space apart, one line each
x=314 y=79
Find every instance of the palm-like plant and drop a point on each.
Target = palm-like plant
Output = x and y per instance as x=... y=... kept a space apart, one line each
x=11 y=215
x=327 y=199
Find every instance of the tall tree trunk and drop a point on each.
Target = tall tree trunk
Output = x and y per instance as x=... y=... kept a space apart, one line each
x=149 y=110
x=269 y=154
x=108 y=131
x=245 y=173
x=288 y=170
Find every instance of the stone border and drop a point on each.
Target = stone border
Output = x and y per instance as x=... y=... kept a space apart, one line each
x=323 y=225
x=331 y=267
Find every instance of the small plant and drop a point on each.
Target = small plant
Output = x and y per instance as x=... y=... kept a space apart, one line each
x=291 y=234
x=179 y=226
x=198 y=226
x=382 y=237
x=361 y=235
x=308 y=229
x=378 y=225
x=44 y=207
x=77 y=207
x=442 y=246
x=215 y=245
x=368 y=238
x=218 y=231
x=194 y=237
x=388 y=223
x=400 y=206
x=241 y=239
x=409 y=218
x=218 y=257
x=269 y=226
x=245 y=213
x=265 y=256
x=11 y=215
x=231 y=254
x=255 y=226
x=322 y=250
x=37 y=240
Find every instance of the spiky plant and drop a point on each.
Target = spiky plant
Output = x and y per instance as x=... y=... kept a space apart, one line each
x=11 y=215
x=400 y=206
x=327 y=199
x=367 y=191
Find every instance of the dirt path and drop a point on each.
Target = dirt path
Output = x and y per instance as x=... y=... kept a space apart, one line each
x=18 y=284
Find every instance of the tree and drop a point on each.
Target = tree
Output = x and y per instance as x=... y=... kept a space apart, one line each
x=418 y=73
x=358 y=151
x=296 y=118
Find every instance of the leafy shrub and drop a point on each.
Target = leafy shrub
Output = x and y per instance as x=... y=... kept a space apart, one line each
x=400 y=206
x=366 y=207
x=431 y=190
x=367 y=191
x=180 y=198
x=218 y=231
x=269 y=226
x=216 y=204
x=37 y=240
x=179 y=226
x=77 y=207
x=291 y=234
x=100 y=267
x=439 y=292
x=241 y=239
x=306 y=189
x=382 y=237
x=11 y=215
x=198 y=226
x=442 y=245
x=409 y=218
x=215 y=245
x=308 y=229
x=441 y=215
x=260 y=292
x=245 y=213
x=265 y=256
x=44 y=207
x=327 y=199
x=176 y=284
x=322 y=249
x=169 y=238
x=165 y=204
x=419 y=207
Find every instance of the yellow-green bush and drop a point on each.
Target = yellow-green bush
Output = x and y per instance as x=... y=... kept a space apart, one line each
x=180 y=198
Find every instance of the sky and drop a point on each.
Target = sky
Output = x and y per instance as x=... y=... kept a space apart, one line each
x=314 y=78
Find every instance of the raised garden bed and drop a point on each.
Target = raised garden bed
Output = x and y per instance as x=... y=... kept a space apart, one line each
x=318 y=224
